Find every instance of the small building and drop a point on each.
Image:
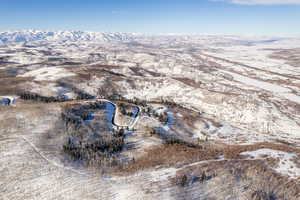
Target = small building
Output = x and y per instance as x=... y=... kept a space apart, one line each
x=5 y=101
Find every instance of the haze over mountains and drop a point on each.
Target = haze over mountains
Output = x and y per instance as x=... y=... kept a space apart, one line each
x=7 y=37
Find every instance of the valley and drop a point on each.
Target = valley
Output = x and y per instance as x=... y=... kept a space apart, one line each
x=129 y=116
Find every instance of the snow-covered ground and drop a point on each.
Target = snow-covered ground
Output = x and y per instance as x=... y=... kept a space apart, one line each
x=286 y=161
x=232 y=89
x=233 y=79
x=48 y=74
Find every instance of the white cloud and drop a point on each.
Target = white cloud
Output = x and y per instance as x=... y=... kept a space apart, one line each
x=262 y=2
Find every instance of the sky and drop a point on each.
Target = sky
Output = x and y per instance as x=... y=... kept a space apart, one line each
x=246 y=17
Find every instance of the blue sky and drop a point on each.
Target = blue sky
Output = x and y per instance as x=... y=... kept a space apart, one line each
x=260 y=17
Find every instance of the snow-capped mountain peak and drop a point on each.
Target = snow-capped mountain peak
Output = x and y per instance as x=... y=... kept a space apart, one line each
x=74 y=36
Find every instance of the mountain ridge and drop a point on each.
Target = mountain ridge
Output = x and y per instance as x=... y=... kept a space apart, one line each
x=7 y=37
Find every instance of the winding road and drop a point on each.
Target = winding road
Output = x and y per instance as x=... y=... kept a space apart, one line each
x=116 y=108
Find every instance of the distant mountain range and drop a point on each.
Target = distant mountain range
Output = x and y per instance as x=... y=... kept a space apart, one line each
x=74 y=36
x=8 y=37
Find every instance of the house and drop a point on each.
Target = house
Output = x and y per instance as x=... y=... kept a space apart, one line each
x=6 y=100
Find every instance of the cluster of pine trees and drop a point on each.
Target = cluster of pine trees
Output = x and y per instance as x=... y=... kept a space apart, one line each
x=94 y=148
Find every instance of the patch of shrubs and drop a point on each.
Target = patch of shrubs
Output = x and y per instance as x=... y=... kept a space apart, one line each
x=125 y=110
x=183 y=181
x=117 y=97
x=40 y=98
x=171 y=140
x=174 y=141
x=186 y=179
x=162 y=117
x=263 y=195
